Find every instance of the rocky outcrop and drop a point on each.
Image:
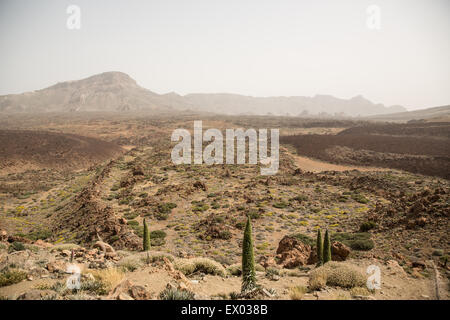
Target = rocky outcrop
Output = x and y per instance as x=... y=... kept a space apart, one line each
x=339 y=251
x=125 y=290
x=88 y=213
x=292 y=253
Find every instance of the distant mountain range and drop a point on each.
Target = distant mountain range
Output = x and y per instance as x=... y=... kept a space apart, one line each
x=116 y=91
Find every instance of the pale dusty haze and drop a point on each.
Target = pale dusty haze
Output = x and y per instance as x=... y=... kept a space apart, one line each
x=257 y=48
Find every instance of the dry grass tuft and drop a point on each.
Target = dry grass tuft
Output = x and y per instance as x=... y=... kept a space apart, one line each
x=205 y=265
x=297 y=293
x=109 y=278
x=336 y=274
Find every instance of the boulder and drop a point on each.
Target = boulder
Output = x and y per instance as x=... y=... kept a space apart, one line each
x=139 y=293
x=125 y=290
x=267 y=261
x=292 y=253
x=339 y=251
x=395 y=269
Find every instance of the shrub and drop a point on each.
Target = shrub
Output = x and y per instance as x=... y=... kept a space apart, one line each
x=304 y=238
x=272 y=271
x=280 y=205
x=336 y=274
x=16 y=246
x=248 y=261
x=199 y=206
x=108 y=278
x=131 y=215
x=362 y=245
x=356 y=241
x=157 y=238
x=359 y=198
x=11 y=276
x=94 y=286
x=253 y=214
x=359 y=291
x=297 y=293
x=235 y=269
x=366 y=226
x=317 y=279
x=166 y=208
x=240 y=225
x=205 y=265
x=175 y=294
x=225 y=235
x=133 y=223
x=40 y=234
x=157 y=234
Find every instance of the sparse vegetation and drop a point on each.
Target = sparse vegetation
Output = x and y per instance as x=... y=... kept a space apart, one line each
x=11 y=276
x=176 y=294
x=297 y=292
x=336 y=274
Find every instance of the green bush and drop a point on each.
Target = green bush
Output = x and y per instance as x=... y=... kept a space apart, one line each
x=359 y=198
x=39 y=234
x=280 y=205
x=253 y=214
x=166 y=208
x=157 y=234
x=16 y=246
x=131 y=215
x=357 y=241
x=305 y=239
x=366 y=226
x=240 y=225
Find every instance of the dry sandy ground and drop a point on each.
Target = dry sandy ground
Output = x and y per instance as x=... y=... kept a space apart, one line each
x=312 y=165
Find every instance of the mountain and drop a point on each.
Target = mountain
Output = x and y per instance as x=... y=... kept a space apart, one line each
x=109 y=91
x=319 y=104
x=430 y=114
x=116 y=91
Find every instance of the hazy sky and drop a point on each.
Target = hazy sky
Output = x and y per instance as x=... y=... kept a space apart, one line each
x=260 y=48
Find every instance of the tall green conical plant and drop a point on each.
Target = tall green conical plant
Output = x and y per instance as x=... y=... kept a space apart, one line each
x=248 y=260
x=326 y=248
x=319 y=246
x=146 y=239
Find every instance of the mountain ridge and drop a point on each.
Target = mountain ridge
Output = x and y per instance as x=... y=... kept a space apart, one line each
x=117 y=91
